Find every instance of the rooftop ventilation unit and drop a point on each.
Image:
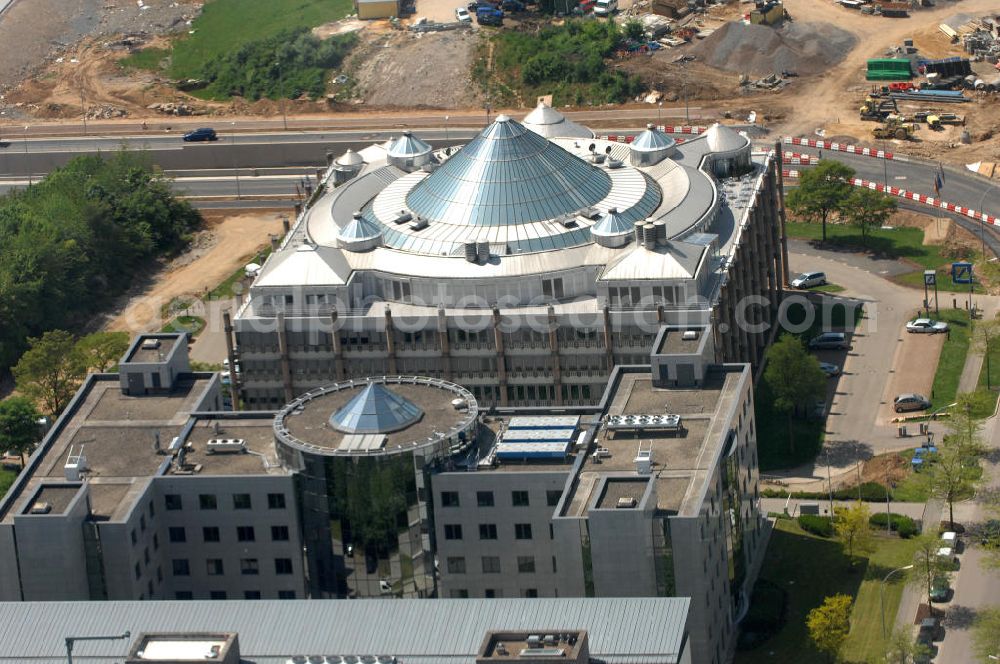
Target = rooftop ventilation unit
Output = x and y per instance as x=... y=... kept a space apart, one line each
x=568 y=221
x=418 y=224
x=534 y=641
x=226 y=446
x=41 y=508
x=402 y=217
x=150 y=344
x=626 y=502
x=76 y=465
x=689 y=335
x=614 y=163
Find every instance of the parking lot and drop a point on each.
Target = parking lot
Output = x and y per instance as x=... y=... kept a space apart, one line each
x=913 y=370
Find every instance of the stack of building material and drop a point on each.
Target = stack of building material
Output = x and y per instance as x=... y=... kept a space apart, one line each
x=670 y=8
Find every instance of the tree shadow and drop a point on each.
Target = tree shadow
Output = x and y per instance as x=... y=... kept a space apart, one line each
x=844 y=453
x=959 y=617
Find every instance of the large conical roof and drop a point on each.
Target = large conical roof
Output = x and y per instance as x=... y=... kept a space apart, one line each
x=724 y=139
x=376 y=409
x=508 y=175
x=550 y=123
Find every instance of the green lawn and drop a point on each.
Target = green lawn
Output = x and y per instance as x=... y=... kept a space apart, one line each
x=152 y=59
x=7 y=477
x=772 y=434
x=828 y=288
x=810 y=568
x=952 y=358
x=898 y=243
x=193 y=325
x=225 y=289
x=225 y=25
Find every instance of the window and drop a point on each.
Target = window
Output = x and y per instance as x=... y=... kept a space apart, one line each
x=152 y=512
x=138 y=572
x=286 y=594
x=181 y=567
x=156 y=542
x=456 y=565
x=210 y=534
x=135 y=539
x=251 y=594
x=552 y=497
x=249 y=566
x=172 y=501
x=275 y=501
x=491 y=564
x=530 y=592
x=183 y=594
x=449 y=499
x=217 y=594
x=490 y=593
x=487 y=531
x=207 y=501
x=282 y=565
x=244 y=534
x=159 y=574
x=459 y=593
x=279 y=533
x=484 y=498
x=519 y=498
x=526 y=564
x=214 y=567
x=552 y=288
x=142 y=522
x=177 y=534
x=452 y=531
x=241 y=501
x=145 y=555
x=149 y=588
x=522 y=531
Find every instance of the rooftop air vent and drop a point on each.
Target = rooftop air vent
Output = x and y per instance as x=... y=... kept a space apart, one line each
x=402 y=217
x=41 y=508
x=614 y=163
x=689 y=335
x=150 y=344
x=418 y=224
x=226 y=446
x=625 y=502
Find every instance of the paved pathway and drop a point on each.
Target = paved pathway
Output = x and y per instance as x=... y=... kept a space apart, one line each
x=912 y=510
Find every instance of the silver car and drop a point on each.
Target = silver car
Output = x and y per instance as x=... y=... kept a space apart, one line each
x=809 y=279
x=926 y=326
x=910 y=401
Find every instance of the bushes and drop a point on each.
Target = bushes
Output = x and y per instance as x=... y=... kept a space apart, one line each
x=900 y=523
x=253 y=70
x=817 y=525
x=870 y=491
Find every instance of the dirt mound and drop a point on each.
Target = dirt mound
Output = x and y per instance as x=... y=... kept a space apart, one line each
x=759 y=50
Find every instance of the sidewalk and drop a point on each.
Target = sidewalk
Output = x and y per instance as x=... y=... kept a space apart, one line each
x=912 y=510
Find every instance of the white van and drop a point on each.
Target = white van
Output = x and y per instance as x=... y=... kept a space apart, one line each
x=605 y=7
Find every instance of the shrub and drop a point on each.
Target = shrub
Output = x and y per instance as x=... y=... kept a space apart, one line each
x=870 y=491
x=817 y=525
x=900 y=523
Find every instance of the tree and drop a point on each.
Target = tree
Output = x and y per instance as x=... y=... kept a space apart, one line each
x=829 y=624
x=952 y=473
x=985 y=335
x=986 y=635
x=854 y=530
x=794 y=377
x=822 y=191
x=902 y=649
x=50 y=370
x=633 y=30
x=928 y=564
x=19 y=432
x=868 y=209
x=102 y=350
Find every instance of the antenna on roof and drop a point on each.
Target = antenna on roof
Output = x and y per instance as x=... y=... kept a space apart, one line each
x=156 y=441
x=215 y=427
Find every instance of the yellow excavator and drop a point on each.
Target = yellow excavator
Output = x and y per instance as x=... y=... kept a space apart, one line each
x=894 y=127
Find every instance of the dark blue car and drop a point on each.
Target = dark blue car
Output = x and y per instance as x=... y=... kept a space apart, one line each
x=201 y=134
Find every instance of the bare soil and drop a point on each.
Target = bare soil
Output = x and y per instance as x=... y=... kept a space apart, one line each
x=216 y=252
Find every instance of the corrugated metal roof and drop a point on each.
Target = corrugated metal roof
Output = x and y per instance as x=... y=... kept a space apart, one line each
x=306 y=265
x=550 y=123
x=620 y=630
x=652 y=140
x=376 y=409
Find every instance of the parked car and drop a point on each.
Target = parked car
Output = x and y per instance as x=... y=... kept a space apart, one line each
x=910 y=401
x=605 y=7
x=930 y=631
x=462 y=15
x=201 y=134
x=809 y=280
x=940 y=590
x=830 y=370
x=828 y=340
x=926 y=326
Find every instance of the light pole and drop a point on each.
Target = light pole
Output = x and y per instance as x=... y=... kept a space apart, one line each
x=659 y=108
x=236 y=167
x=27 y=163
x=281 y=93
x=83 y=109
x=881 y=595
x=447 y=138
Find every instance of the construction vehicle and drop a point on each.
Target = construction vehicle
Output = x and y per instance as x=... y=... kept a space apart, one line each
x=893 y=127
x=877 y=109
x=488 y=15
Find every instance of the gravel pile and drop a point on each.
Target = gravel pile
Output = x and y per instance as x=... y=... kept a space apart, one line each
x=759 y=50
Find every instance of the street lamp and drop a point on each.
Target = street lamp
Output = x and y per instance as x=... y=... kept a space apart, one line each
x=236 y=167
x=27 y=163
x=281 y=93
x=447 y=139
x=881 y=595
x=659 y=108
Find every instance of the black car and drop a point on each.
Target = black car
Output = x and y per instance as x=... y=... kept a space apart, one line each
x=201 y=134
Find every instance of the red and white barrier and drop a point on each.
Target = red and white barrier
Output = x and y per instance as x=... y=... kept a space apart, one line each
x=842 y=147
x=799 y=159
x=669 y=129
x=912 y=196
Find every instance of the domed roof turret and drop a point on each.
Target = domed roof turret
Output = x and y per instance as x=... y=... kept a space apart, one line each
x=651 y=140
x=550 y=123
x=721 y=138
x=408 y=145
x=350 y=158
x=359 y=234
